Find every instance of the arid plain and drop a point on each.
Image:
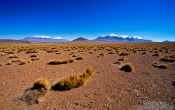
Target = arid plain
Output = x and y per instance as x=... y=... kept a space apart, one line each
x=87 y=76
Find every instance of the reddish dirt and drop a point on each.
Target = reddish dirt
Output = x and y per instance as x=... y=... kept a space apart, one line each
x=109 y=88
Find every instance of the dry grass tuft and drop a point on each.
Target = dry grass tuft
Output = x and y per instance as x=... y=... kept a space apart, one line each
x=168 y=58
x=161 y=66
x=124 y=54
x=33 y=55
x=41 y=84
x=156 y=53
x=74 y=81
x=23 y=62
x=79 y=58
x=58 y=62
x=118 y=62
x=13 y=56
x=34 y=59
x=9 y=63
x=127 y=68
x=69 y=83
x=111 y=53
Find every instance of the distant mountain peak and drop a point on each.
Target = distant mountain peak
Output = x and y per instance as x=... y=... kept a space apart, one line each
x=80 y=39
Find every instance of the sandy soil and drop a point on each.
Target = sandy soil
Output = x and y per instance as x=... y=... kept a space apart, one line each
x=146 y=88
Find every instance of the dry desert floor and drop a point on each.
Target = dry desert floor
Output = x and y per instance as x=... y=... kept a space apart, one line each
x=127 y=76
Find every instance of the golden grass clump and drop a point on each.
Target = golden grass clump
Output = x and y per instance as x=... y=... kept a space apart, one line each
x=121 y=59
x=70 y=60
x=118 y=62
x=156 y=53
x=168 y=58
x=74 y=81
x=143 y=53
x=74 y=56
x=23 y=62
x=111 y=53
x=124 y=54
x=58 y=62
x=161 y=66
x=79 y=58
x=13 y=56
x=101 y=54
x=127 y=68
x=89 y=72
x=33 y=55
x=41 y=84
x=31 y=51
x=10 y=52
x=9 y=63
x=34 y=59
x=58 y=53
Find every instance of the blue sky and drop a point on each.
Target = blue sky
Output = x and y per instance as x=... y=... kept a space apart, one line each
x=151 y=19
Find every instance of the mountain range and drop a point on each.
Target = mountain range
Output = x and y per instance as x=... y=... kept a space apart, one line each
x=114 y=38
x=10 y=41
x=44 y=40
x=168 y=41
x=108 y=38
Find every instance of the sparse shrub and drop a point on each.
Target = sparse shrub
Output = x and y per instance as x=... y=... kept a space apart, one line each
x=173 y=83
x=23 y=63
x=52 y=51
x=58 y=62
x=41 y=84
x=74 y=81
x=79 y=58
x=118 y=62
x=143 y=53
x=33 y=55
x=35 y=58
x=127 y=68
x=74 y=56
x=10 y=52
x=156 y=53
x=161 y=66
x=168 y=58
x=9 y=63
x=89 y=70
x=13 y=56
x=69 y=83
x=110 y=53
x=16 y=60
x=124 y=54
x=70 y=60
x=58 y=53
x=121 y=59
x=101 y=54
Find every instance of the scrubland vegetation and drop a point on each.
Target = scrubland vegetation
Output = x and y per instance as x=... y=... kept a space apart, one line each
x=62 y=66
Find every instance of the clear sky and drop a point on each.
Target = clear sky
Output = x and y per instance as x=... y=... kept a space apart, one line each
x=151 y=19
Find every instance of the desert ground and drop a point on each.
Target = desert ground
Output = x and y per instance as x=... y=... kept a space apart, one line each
x=122 y=76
